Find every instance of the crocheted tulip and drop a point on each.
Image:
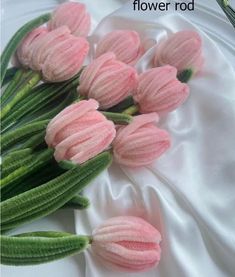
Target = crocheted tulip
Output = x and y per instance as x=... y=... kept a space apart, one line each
x=107 y=80
x=141 y=142
x=182 y=50
x=127 y=243
x=124 y=43
x=22 y=53
x=79 y=132
x=160 y=91
x=74 y=16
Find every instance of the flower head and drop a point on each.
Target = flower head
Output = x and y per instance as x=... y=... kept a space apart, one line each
x=23 y=51
x=141 y=142
x=127 y=243
x=107 y=80
x=160 y=91
x=74 y=16
x=182 y=50
x=79 y=132
x=125 y=44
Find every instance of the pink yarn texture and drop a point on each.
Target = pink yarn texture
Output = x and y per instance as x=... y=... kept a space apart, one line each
x=160 y=91
x=108 y=80
x=125 y=44
x=74 y=16
x=127 y=243
x=182 y=50
x=141 y=142
x=79 y=132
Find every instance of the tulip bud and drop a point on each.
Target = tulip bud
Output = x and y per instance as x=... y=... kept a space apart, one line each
x=65 y=59
x=74 y=16
x=39 y=51
x=79 y=132
x=141 y=142
x=160 y=91
x=182 y=50
x=107 y=80
x=22 y=53
x=125 y=44
x=127 y=243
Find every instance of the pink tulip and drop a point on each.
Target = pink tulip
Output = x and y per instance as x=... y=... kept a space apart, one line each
x=79 y=132
x=57 y=54
x=125 y=44
x=74 y=16
x=182 y=50
x=23 y=49
x=65 y=59
x=127 y=243
x=141 y=142
x=160 y=91
x=39 y=51
x=107 y=80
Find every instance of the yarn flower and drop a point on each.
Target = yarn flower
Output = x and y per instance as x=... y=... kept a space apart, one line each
x=160 y=91
x=107 y=80
x=127 y=243
x=125 y=44
x=141 y=142
x=74 y=16
x=79 y=132
x=182 y=50
x=23 y=50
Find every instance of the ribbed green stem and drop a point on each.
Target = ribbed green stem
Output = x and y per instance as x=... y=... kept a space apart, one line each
x=15 y=156
x=49 y=197
x=18 y=134
x=131 y=110
x=39 y=98
x=228 y=10
x=24 y=90
x=16 y=39
x=40 y=247
x=78 y=203
x=34 y=141
x=29 y=166
x=10 y=73
x=118 y=118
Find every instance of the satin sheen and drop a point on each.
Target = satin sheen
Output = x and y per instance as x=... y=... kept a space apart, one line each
x=189 y=193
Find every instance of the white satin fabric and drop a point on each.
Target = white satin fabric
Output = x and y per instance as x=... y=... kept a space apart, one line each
x=189 y=193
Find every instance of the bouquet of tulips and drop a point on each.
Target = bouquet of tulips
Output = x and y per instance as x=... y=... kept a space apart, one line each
x=62 y=123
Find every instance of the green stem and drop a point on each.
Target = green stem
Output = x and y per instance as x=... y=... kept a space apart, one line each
x=78 y=203
x=18 y=134
x=16 y=39
x=120 y=107
x=185 y=75
x=40 y=247
x=24 y=90
x=10 y=73
x=118 y=118
x=131 y=110
x=47 y=198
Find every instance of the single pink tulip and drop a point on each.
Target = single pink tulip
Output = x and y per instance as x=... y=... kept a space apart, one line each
x=182 y=50
x=58 y=54
x=107 y=80
x=160 y=91
x=22 y=53
x=127 y=243
x=39 y=51
x=74 y=16
x=141 y=142
x=125 y=44
x=65 y=59
x=79 y=132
